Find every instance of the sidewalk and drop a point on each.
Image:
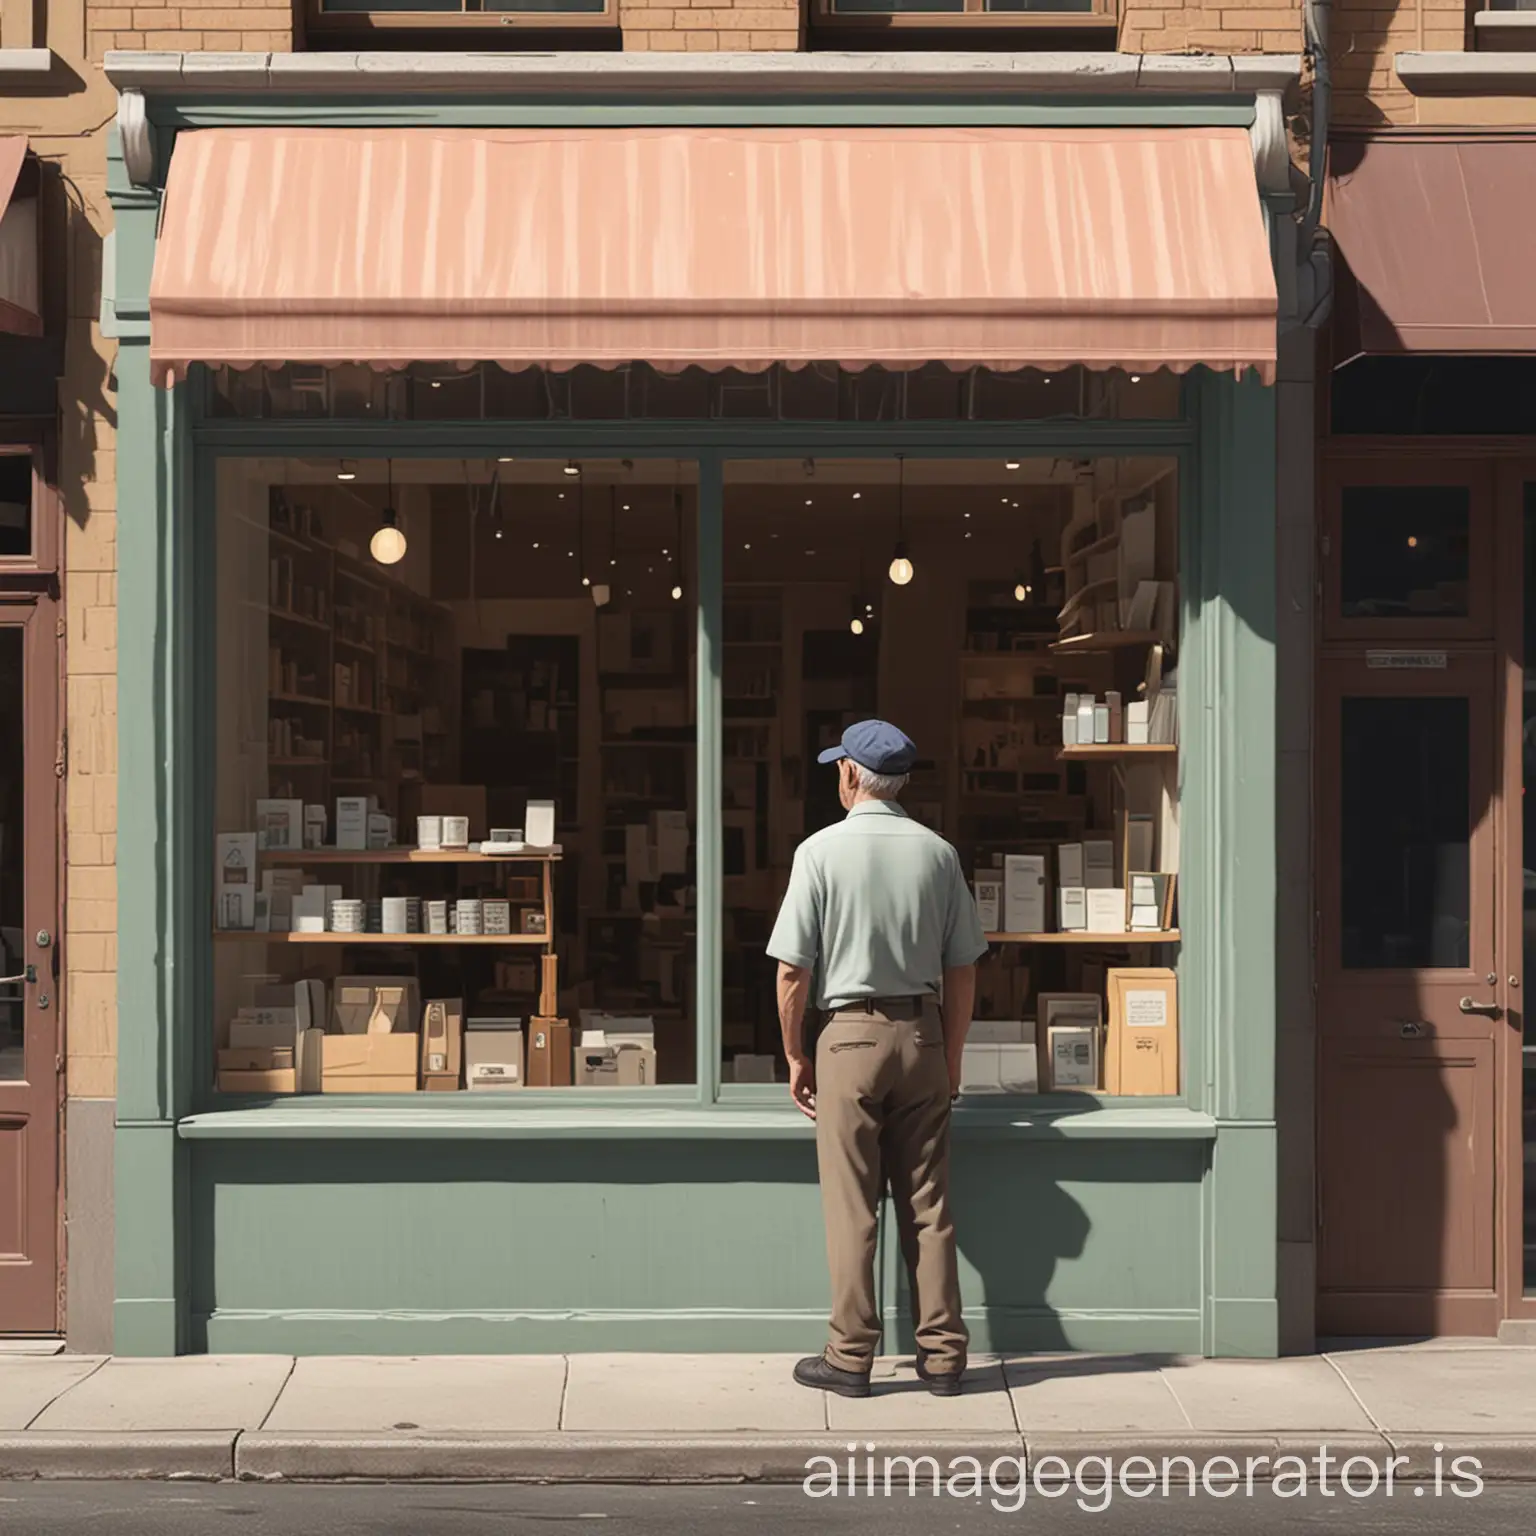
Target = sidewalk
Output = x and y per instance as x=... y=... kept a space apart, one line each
x=706 y=1418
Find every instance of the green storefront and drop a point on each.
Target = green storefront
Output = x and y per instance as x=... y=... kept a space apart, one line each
x=682 y=1214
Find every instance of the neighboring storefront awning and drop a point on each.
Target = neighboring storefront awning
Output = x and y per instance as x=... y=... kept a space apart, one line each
x=1439 y=238
x=715 y=247
x=20 y=307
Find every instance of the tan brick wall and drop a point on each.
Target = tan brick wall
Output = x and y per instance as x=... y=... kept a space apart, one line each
x=1368 y=34
x=262 y=26
x=1217 y=26
x=711 y=26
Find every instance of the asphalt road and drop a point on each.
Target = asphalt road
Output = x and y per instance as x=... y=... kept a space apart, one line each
x=160 y=1509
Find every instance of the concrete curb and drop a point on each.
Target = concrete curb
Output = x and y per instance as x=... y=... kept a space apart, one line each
x=695 y=1458
x=206 y=1456
x=579 y=1458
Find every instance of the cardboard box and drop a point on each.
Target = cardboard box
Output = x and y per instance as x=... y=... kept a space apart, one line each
x=549 y=986
x=378 y=1063
x=442 y=1045
x=279 y=1080
x=609 y=1066
x=256 y=1058
x=620 y=1052
x=549 y=1053
x=493 y=1055
x=1053 y=1008
x=1023 y=893
x=383 y=1004
x=1141 y=1054
x=747 y=1067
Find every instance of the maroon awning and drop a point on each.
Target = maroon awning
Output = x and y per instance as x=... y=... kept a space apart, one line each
x=1438 y=235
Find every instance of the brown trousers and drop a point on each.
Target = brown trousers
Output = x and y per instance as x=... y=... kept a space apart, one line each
x=882 y=1116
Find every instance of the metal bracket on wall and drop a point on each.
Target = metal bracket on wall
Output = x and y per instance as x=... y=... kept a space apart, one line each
x=137 y=136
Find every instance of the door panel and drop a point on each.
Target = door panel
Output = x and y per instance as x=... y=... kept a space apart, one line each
x=29 y=1042
x=1408 y=551
x=1410 y=993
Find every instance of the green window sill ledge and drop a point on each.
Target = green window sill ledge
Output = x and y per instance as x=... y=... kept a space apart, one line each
x=504 y=1122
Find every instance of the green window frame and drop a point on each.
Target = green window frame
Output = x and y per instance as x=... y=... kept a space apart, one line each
x=201 y=442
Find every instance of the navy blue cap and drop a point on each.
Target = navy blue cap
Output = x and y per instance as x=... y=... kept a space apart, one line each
x=874 y=745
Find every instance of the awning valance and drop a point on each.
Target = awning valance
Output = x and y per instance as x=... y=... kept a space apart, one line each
x=20 y=306
x=1439 y=235
x=714 y=247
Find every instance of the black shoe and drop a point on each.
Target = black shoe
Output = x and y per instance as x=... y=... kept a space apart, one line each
x=815 y=1371
x=940 y=1383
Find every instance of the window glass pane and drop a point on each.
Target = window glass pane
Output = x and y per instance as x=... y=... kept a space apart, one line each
x=15 y=504
x=1405 y=551
x=1404 y=852
x=524 y=661
x=1005 y=558
x=436 y=7
x=638 y=392
x=13 y=874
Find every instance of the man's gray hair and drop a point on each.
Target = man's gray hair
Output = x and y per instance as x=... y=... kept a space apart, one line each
x=884 y=786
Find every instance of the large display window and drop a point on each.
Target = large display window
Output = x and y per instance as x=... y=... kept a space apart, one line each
x=1019 y=618
x=455 y=775
x=457 y=836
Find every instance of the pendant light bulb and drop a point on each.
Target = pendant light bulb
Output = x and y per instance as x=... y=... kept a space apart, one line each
x=856 y=625
x=900 y=570
x=677 y=594
x=1021 y=590
x=387 y=545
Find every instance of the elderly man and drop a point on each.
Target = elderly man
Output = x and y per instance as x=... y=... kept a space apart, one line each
x=879 y=920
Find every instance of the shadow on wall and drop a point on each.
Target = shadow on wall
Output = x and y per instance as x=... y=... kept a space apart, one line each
x=88 y=390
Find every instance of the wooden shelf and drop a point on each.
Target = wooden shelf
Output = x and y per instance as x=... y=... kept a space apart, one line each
x=287 y=616
x=1109 y=640
x=297 y=762
x=1168 y=936
x=1098 y=547
x=298 y=698
x=1119 y=749
x=383 y=938
x=291 y=856
x=357 y=709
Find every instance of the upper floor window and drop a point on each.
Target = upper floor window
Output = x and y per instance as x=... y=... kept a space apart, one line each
x=852 y=16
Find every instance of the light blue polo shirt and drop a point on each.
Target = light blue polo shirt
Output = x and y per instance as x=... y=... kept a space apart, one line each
x=877 y=906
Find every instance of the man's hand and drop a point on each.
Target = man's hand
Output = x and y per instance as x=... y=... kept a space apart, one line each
x=952 y=1059
x=802 y=1085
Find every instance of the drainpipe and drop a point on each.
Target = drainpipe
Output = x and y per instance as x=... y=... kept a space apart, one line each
x=1315 y=279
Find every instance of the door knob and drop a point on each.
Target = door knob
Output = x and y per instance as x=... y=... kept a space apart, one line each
x=1470 y=1005
x=28 y=975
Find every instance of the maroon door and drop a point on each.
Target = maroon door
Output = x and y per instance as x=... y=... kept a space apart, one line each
x=29 y=969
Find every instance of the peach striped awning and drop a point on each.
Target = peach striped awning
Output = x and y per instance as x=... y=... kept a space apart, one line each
x=715 y=247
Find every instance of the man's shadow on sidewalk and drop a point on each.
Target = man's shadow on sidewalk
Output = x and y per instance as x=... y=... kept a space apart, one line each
x=1016 y=1224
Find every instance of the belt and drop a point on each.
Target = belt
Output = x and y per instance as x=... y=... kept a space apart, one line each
x=884 y=1004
